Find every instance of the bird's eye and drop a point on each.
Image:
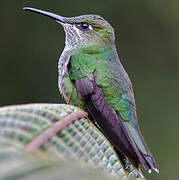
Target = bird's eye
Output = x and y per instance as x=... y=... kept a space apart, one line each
x=84 y=26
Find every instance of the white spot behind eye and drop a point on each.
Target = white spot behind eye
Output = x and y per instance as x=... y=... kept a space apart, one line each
x=90 y=27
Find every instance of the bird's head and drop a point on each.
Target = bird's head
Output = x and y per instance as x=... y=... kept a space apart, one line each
x=81 y=30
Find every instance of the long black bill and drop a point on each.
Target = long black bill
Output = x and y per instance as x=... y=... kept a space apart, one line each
x=49 y=14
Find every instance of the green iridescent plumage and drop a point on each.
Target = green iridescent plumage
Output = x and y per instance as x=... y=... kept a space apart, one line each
x=84 y=62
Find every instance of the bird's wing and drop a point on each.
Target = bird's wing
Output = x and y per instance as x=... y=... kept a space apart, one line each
x=107 y=92
x=126 y=138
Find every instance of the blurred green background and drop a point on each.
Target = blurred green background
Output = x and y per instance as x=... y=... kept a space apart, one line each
x=147 y=36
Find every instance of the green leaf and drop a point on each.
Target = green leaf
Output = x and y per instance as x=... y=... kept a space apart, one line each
x=76 y=147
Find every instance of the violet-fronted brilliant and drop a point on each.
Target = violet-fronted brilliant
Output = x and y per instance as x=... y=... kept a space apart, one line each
x=92 y=77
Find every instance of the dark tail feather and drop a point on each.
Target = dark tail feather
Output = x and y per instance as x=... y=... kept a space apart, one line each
x=146 y=160
x=125 y=164
x=150 y=160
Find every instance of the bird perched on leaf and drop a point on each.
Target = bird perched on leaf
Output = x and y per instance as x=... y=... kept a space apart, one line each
x=92 y=77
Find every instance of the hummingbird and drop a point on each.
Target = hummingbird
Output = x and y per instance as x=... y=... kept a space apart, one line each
x=92 y=77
